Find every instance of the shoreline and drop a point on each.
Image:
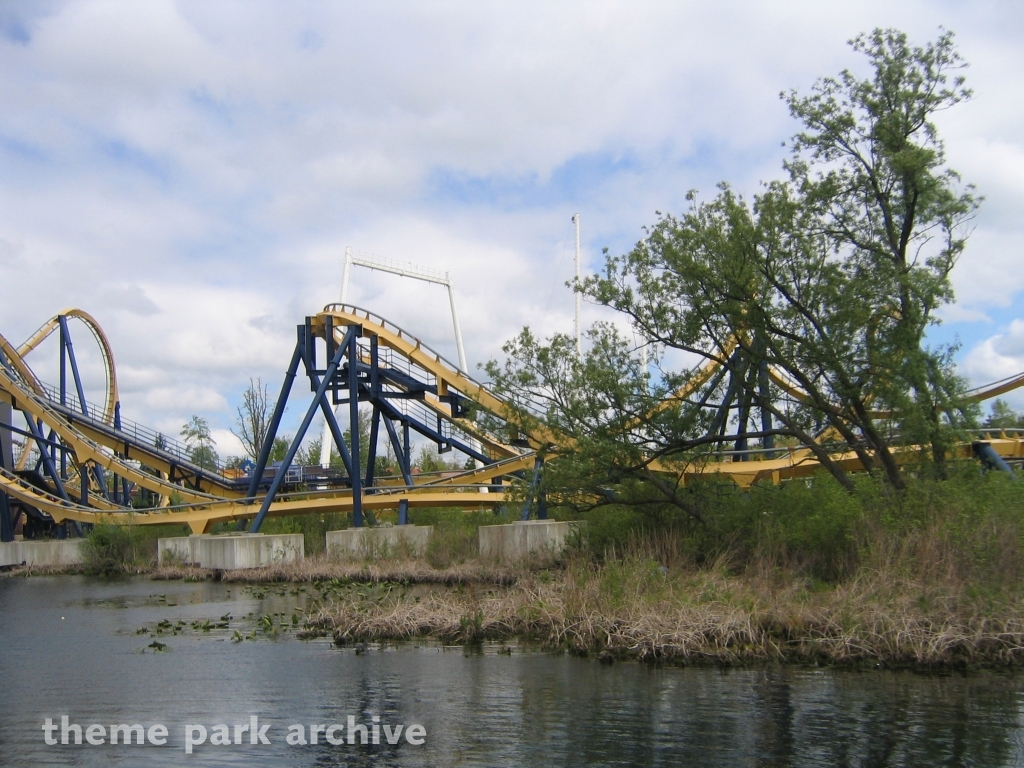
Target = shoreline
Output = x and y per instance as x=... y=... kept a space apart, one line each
x=639 y=611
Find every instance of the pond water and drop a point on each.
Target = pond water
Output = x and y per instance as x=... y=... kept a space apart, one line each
x=84 y=648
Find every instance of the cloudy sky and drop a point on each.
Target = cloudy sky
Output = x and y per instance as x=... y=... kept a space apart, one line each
x=191 y=172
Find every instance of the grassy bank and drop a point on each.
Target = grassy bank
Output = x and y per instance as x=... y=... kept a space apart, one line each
x=323 y=568
x=633 y=608
x=806 y=572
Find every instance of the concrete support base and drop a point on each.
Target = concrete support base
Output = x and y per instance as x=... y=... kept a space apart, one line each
x=53 y=552
x=379 y=541
x=180 y=549
x=520 y=539
x=233 y=551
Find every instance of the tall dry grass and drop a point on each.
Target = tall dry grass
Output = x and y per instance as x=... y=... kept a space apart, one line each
x=633 y=608
x=807 y=572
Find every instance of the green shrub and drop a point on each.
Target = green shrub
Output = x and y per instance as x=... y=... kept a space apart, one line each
x=811 y=525
x=456 y=537
x=969 y=527
x=112 y=549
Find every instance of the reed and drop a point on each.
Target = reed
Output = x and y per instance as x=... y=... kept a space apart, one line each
x=632 y=608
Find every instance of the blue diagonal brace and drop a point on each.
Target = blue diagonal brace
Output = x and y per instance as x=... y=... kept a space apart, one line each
x=351 y=342
x=300 y=433
x=332 y=422
x=400 y=452
x=51 y=468
x=275 y=422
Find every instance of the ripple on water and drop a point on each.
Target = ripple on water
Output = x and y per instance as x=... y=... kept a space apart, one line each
x=72 y=645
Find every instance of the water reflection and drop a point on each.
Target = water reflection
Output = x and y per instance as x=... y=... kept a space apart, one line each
x=68 y=646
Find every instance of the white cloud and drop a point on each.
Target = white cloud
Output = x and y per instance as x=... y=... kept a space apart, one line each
x=191 y=172
x=997 y=358
x=185 y=400
x=226 y=443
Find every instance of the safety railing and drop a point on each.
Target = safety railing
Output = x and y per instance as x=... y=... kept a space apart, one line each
x=136 y=433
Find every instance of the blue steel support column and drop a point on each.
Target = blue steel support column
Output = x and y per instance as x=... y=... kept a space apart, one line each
x=374 y=367
x=63 y=388
x=353 y=425
x=764 y=391
x=402 y=455
x=407 y=447
x=115 y=481
x=51 y=440
x=403 y=505
x=6 y=521
x=721 y=420
x=989 y=456
x=300 y=433
x=48 y=463
x=371 y=459
x=70 y=349
x=63 y=364
x=329 y=348
x=400 y=452
x=371 y=456
x=325 y=407
x=74 y=363
x=336 y=433
x=742 y=418
x=275 y=421
x=6 y=460
x=126 y=487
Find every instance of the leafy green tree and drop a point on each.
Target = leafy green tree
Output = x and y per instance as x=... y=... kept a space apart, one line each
x=309 y=453
x=280 y=447
x=196 y=434
x=871 y=161
x=1002 y=416
x=832 y=277
x=813 y=298
x=608 y=417
x=429 y=460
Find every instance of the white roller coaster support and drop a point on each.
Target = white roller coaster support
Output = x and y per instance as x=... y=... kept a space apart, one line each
x=402 y=270
x=345 y=272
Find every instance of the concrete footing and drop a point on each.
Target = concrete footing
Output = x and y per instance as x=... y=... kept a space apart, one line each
x=379 y=541
x=51 y=552
x=517 y=540
x=232 y=551
x=180 y=549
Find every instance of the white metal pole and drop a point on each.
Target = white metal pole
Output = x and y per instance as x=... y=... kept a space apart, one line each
x=455 y=321
x=326 y=439
x=344 y=273
x=579 y=332
x=462 y=357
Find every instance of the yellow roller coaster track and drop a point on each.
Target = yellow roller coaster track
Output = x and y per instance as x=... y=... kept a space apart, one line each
x=214 y=500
